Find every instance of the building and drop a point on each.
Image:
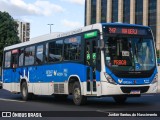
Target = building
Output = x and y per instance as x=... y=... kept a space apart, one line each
x=23 y=31
x=144 y=12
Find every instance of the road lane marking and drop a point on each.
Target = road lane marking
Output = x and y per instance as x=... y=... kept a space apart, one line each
x=10 y=100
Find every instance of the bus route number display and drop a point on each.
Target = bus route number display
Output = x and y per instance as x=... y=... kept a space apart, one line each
x=127 y=31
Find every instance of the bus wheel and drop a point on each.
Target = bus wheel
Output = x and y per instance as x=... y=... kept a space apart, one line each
x=120 y=99
x=24 y=92
x=78 y=99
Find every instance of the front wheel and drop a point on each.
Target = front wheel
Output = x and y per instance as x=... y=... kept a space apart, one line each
x=24 y=91
x=120 y=99
x=78 y=98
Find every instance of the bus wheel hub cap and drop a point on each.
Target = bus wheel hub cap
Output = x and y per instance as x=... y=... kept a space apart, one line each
x=77 y=94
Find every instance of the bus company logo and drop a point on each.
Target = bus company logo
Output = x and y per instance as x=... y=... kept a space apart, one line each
x=146 y=81
x=120 y=80
x=55 y=72
x=65 y=70
x=60 y=74
x=49 y=73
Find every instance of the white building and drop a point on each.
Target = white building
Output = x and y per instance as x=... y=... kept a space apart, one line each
x=23 y=31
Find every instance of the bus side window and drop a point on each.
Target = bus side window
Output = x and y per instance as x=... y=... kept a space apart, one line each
x=29 y=55
x=14 y=60
x=55 y=51
x=39 y=54
x=8 y=59
x=32 y=55
x=21 y=57
x=46 y=53
x=72 y=48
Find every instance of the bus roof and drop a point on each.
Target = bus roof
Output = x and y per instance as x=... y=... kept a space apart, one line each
x=44 y=38
x=54 y=36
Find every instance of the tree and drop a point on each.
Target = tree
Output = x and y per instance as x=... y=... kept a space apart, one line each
x=8 y=32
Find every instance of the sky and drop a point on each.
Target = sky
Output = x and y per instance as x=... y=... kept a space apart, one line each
x=64 y=14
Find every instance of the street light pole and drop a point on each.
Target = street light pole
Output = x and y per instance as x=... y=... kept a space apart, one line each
x=50 y=27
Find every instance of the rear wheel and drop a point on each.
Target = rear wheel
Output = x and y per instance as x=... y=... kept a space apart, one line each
x=24 y=91
x=78 y=98
x=120 y=99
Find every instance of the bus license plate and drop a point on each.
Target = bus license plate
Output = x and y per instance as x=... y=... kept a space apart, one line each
x=135 y=92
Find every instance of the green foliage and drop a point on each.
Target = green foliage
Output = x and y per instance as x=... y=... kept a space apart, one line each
x=8 y=32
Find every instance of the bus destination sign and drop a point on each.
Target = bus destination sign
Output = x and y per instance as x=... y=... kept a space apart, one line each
x=127 y=31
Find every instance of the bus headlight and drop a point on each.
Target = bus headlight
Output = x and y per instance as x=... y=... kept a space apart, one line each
x=155 y=79
x=109 y=79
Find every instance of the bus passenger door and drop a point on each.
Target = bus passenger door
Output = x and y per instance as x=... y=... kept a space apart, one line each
x=90 y=61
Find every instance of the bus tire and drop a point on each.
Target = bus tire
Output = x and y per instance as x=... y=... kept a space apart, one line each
x=24 y=91
x=78 y=99
x=120 y=99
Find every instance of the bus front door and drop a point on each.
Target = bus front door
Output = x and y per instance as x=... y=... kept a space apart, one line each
x=90 y=61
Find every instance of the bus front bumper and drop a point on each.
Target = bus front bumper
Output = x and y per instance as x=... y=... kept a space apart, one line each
x=111 y=89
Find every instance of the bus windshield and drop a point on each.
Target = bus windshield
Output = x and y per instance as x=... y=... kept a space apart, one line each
x=129 y=54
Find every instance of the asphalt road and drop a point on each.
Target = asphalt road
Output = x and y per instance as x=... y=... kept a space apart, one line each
x=13 y=102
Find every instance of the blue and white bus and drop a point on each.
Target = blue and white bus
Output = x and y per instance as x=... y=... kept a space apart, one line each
x=109 y=59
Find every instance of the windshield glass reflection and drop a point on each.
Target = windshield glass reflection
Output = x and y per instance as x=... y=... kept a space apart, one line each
x=129 y=54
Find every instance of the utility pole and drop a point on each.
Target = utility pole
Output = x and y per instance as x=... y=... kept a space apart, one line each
x=50 y=25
